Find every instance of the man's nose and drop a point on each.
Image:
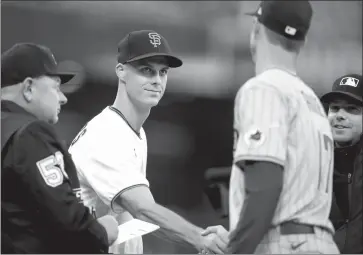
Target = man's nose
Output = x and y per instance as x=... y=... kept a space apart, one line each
x=341 y=114
x=157 y=79
x=63 y=99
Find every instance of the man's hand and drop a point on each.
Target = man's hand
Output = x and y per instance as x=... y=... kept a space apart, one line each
x=215 y=239
x=111 y=226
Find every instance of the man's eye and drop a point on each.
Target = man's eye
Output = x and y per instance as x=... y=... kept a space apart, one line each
x=164 y=72
x=334 y=108
x=353 y=109
x=146 y=70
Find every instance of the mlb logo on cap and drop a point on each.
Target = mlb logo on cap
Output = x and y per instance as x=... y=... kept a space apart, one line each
x=349 y=81
x=348 y=87
x=290 y=30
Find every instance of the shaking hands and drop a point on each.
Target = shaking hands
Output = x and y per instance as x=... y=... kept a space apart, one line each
x=215 y=240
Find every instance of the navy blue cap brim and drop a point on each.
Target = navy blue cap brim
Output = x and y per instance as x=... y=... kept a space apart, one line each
x=64 y=76
x=172 y=60
x=329 y=97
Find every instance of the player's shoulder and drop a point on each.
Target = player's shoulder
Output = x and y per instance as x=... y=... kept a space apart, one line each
x=105 y=129
x=275 y=80
x=258 y=82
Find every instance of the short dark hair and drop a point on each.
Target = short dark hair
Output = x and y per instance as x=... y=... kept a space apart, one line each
x=286 y=43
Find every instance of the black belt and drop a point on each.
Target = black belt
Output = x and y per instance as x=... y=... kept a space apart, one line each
x=293 y=228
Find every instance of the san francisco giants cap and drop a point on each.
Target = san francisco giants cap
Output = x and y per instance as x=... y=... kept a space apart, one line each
x=349 y=85
x=25 y=60
x=288 y=18
x=144 y=44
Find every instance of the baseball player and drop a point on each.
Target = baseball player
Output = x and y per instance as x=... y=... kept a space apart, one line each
x=281 y=180
x=41 y=206
x=110 y=152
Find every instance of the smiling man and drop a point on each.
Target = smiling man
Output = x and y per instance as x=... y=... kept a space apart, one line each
x=345 y=115
x=110 y=152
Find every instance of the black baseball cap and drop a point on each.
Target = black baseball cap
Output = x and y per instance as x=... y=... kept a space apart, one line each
x=288 y=18
x=29 y=60
x=142 y=44
x=349 y=85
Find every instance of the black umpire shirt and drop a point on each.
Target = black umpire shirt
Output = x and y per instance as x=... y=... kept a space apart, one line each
x=41 y=207
x=346 y=213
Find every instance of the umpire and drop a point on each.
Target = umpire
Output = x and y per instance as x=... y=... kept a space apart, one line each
x=41 y=208
x=345 y=115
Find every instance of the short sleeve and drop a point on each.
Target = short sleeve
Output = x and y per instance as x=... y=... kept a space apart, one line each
x=262 y=128
x=109 y=172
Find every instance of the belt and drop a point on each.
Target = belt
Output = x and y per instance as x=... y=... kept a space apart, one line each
x=292 y=228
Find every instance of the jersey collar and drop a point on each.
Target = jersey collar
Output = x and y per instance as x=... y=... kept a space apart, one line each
x=124 y=118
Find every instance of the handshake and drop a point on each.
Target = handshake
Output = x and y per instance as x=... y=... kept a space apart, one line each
x=215 y=240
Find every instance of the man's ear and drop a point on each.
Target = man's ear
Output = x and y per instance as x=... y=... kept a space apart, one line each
x=120 y=71
x=256 y=27
x=28 y=89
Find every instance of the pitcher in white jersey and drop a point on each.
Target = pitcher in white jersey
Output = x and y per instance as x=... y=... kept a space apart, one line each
x=281 y=180
x=110 y=152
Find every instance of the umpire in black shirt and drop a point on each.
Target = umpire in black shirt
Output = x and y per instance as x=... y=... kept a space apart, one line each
x=41 y=205
x=345 y=115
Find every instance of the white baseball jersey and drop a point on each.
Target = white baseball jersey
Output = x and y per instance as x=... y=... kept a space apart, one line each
x=110 y=158
x=278 y=118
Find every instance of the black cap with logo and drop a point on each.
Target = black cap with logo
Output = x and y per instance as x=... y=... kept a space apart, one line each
x=347 y=86
x=288 y=18
x=144 y=44
x=25 y=60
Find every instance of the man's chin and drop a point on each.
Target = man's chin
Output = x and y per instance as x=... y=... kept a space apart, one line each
x=340 y=139
x=54 y=120
x=150 y=103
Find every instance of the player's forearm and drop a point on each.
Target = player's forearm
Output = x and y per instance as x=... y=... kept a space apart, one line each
x=172 y=226
x=254 y=222
x=259 y=206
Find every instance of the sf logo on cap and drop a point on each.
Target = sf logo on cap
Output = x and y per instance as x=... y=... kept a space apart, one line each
x=155 y=39
x=349 y=81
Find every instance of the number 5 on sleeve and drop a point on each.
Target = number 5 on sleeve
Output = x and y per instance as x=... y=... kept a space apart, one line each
x=52 y=169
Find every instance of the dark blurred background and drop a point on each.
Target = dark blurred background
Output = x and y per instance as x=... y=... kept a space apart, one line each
x=191 y=129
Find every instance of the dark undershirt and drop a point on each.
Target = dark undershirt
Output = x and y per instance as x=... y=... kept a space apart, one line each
x=263 y=187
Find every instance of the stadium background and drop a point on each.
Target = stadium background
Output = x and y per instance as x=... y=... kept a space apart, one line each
x=191 y=130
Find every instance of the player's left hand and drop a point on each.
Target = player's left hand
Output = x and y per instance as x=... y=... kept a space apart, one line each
x=216 y=240
x=218 y=230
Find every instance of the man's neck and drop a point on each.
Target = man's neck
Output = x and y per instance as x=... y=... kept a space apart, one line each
x=346 y=144
x=135 y=116
x=275 y=58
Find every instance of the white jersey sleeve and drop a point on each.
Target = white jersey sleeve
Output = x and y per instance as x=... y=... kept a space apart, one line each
x=261 y=124
x=110 y=173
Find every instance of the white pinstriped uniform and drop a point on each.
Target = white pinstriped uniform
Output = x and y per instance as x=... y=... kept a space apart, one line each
x=278 y=118
x=110 y=158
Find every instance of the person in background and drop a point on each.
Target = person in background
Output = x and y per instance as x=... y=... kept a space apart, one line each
x=345 y=108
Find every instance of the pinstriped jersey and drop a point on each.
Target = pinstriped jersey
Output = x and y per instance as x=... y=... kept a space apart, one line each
x=278 y=118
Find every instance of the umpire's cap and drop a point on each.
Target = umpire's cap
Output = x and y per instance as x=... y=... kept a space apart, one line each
x=288 y=18
x=25 y=60
x=142 y=44
x=347 y=86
